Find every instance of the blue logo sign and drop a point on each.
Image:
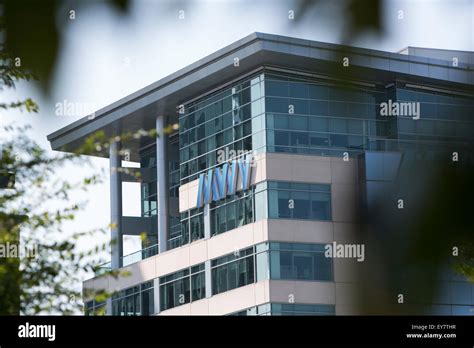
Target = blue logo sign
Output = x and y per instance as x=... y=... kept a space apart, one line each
x=222 y=182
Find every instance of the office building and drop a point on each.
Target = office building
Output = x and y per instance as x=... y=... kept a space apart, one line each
x=280 y=146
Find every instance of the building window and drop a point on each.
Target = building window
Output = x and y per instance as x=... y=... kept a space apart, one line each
x=297 y=261
x=221 y=121
x=313 y=117
x=148 y=187
x=191 y=228
x=302 y=309
x=329 y=119
x=134 y=301
x=232 y=212
x=264 y=309
x=182 y=287
x=299 y=201
x=233 y=271
x=94 y=308
x=288 y=309
x=271 y=199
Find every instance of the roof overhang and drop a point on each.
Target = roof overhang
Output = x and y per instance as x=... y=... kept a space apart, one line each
x=162 y=98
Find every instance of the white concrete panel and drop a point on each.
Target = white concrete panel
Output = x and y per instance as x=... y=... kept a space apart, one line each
x=300 y=231
x=347 y=310
x=262 y=292
x=284 y=167
x=129 y=276
x=344 y=202
x=172 y=261
x=92 y=285
x=343 y=172
x=200 y=307
x=146 y=269
x=284 y=291
x=260 y=231
x=231 y=241
x=300 y=168
x=234 y=300
x=313 y=170
x=198 y=252
x=180 y=310
x=345 y=232
x=278 y=168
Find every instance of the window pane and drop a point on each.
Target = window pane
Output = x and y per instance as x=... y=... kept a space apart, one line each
x=281 y=138
x=318 y=124
x=277 y=105
x=298 y=122
x=301 y=205
x=299 y=265
x=230 y=216
x=337 y=125
x=299 y=138
x=303 y=266
x=320 y=206
x=198 y=286
x=281 y=122
x=298 y=90
x=276 y=88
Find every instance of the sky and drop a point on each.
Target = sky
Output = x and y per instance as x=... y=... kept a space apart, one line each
x=105 y=57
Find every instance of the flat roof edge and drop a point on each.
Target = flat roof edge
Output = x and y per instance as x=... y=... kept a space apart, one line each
x=284 y=44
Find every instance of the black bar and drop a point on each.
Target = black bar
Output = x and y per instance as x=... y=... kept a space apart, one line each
x=287 y=330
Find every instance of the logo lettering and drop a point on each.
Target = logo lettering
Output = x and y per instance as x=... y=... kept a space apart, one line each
x=222 y=182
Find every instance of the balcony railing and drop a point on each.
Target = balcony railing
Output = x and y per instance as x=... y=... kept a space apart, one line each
x=129 y=259
x=140 y=255
x=175 y=242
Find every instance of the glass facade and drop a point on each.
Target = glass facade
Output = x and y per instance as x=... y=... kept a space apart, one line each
x=271 y=199
x=308 y=116
x=233 y=271
x=288 y=309
x=228 y=120
x=191 y=228
x=148 y=203
x=134 y=301
x=444 y=118
x=291 y=200
x=302 y=309
x=182 y=287
x=232 y=212
x=148 y=186
x=293 y=113
x=297 y=261
x=286 y=113
x=278 y=261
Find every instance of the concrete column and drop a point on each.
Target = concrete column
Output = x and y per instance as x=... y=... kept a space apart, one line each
x=156 y=294
x=207 y=273
x=116 y=205
x=162 y=185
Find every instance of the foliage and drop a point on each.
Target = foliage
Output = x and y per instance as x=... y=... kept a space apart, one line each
x=33 y=212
